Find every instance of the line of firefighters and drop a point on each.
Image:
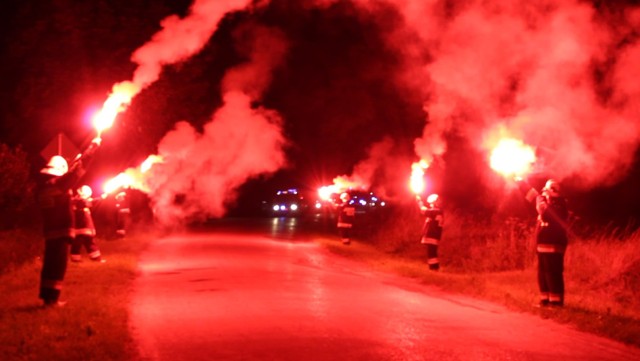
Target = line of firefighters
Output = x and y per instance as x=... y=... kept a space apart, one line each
x=551 y=234
x=68 y=225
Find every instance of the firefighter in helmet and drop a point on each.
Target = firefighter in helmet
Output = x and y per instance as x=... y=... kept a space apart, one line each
x=55 y=184
x=551 y=240
x=84 y=227
x=432 y=229
x=346 y=216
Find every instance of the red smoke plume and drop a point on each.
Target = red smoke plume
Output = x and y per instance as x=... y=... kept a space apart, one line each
x=201 y=171
x=528 y=66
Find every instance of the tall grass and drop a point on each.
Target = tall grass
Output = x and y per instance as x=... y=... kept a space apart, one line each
x=607 y=271
x=469 y=244
x=92 y=326
x=19 y=246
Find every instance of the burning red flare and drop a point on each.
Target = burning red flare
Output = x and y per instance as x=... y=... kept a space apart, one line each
x=325 y=192
x=132 y=177
x=340 y=184
x=117 y=102
x=122 y=180
x=149 y=162
x=512 y=158
x=417 y=183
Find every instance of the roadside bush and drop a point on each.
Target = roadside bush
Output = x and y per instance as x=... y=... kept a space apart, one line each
x=469 y=243
x=16 y=187
x=396 y=229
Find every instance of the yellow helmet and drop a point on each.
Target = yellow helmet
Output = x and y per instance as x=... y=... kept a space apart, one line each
x=57 y=166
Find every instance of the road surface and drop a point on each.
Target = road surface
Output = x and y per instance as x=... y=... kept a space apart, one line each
x=266 y=292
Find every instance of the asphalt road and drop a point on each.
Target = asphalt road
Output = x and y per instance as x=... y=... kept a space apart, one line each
x=263 y=291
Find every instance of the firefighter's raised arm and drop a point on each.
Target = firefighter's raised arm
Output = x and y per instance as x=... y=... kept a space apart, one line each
x=530 y=193
x=421 y=204
x=86 y=155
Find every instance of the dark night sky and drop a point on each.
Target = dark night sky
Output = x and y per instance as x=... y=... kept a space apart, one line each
x=337 y=91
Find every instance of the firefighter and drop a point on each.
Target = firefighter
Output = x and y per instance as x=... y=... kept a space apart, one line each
x=346 y=216
x=122 y=213
x=55 y=186
x=551 y=240
x=432 y=229
x=85 y=231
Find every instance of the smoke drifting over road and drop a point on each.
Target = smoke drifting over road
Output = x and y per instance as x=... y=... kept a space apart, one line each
x=201 y=171
x=560 y=75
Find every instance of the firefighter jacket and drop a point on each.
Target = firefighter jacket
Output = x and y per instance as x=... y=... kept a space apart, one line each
x=54 y=198
x=552 y=223
x=122 y=203
x=432 y=229
x=346 y=216
x=82 y=216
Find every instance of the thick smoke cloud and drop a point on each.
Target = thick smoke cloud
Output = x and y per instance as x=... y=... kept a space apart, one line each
x=201 y=171
x=560 y=75
x=530 y=68
x=375 y=166
x=181 y=38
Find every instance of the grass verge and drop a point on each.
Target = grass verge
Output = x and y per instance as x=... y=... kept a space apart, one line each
x=92 y=326
x=517 y=290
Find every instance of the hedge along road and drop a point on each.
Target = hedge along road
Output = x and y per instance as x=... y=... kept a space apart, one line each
x=263 y=294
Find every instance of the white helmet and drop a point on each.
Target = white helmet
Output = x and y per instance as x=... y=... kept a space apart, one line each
x=85 y=192
x=552 y=188
x=433 y=200
x=57 y=166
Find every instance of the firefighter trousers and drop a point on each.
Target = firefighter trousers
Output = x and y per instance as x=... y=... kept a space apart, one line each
x=86 y=241
x=551 y=277
x=432 y=257
x=54 y=267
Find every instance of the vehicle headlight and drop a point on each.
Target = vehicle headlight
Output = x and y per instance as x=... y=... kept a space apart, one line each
x=294 y=207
